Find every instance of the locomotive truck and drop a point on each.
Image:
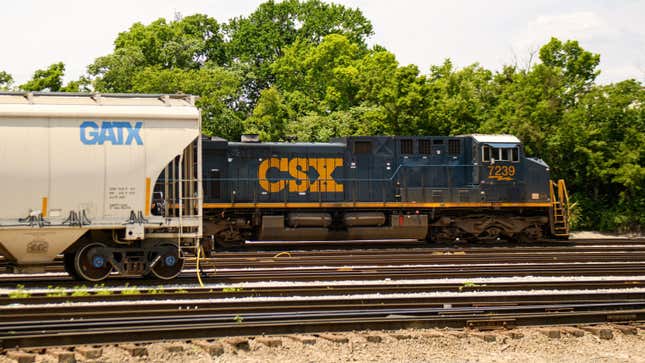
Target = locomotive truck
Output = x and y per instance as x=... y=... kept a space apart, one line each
x=126 y=185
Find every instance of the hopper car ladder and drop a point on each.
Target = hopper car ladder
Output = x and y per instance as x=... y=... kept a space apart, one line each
x=559 y=211
x=183 y=195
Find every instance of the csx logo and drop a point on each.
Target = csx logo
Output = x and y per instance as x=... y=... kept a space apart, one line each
x=114 y=132
x=298 y=169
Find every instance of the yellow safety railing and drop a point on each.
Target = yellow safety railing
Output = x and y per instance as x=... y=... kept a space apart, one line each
x=559 y=213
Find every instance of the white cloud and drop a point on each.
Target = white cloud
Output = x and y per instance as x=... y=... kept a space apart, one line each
x=582 y=26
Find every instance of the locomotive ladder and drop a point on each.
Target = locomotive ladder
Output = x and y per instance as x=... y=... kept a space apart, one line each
x=559 y=213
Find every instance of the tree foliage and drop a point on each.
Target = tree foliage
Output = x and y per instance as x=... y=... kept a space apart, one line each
x=51 y=80
x=6 y=81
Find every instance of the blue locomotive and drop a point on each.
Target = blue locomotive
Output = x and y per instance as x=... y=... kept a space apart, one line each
x=435 y=188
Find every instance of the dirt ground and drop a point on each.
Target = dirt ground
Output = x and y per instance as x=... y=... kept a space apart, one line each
x=592 y=235
x=416 y=345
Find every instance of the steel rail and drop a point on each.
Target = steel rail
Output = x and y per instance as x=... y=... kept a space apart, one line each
x=632 y=249
x=182 y=327
x=423 y=271
x=28 y=314
x=54 y=296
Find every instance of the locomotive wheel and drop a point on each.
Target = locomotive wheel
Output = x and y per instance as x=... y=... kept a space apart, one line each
x=530 y=234
x=90 y=264
x=169 y=264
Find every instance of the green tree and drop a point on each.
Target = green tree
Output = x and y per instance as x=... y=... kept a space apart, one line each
x=187 y=43
x=260 y=38
x=6 y=81
x=601 y=152
x=269 y=117
x=51 y=80
x=216 y=86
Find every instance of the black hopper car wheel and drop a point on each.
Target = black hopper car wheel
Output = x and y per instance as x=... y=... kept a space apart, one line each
x=166 y=261
x=91 y=264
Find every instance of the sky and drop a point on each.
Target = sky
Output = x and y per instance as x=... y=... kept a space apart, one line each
x=37 y=33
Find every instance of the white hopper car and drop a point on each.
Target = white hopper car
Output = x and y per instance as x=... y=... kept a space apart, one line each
x=77 y=176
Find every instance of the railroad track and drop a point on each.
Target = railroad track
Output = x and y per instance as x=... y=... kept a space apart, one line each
x=432 y=262
x=168 y=320
x=340 y=248
x=340 y=288
x=397 y=291
x=365 y=273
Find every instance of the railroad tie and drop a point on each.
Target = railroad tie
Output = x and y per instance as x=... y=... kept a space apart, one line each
x=487 y=337
x=573 y=331
x=134 y=350
x=238 y=343
x=269 y=342
x=304 y=339
x=602 y=333
x=335 y=338
x=514 y=334
x=173 y=348
x=89 y=352
x=627 y=329
x=214 y=349
x=62 y=356
x=21 y=357
x=373 y=338
x=399 y=336
x=551 y=333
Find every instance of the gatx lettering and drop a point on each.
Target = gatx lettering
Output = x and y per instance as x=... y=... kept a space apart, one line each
x=298 y=169
x=114 y=132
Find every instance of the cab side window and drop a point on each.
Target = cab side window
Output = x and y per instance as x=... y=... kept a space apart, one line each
x=500 y=154
x=486 y=153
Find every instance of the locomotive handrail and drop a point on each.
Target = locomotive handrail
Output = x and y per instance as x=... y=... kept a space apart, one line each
x=563 y=195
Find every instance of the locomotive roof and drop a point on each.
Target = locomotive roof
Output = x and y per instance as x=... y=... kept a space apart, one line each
x=281 y=144
x=500 y=138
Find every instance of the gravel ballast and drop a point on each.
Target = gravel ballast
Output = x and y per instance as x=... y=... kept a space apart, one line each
x=413 y=345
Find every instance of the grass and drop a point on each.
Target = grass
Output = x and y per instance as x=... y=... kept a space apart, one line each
x=232 y=289
x=19 y=293
x=56 y=291
x=469 y=284
x=157 y=291
x=130 y=290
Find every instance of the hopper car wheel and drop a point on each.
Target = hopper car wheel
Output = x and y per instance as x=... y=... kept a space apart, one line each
x=68 y=263
x=170 y=262
x=90 y=264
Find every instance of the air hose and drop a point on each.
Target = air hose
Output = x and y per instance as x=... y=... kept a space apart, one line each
x=199 y=275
